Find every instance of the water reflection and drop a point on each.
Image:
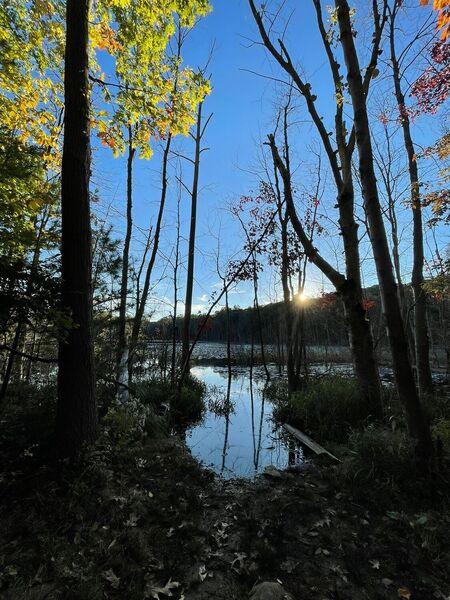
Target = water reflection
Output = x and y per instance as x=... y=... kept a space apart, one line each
x=237 y=437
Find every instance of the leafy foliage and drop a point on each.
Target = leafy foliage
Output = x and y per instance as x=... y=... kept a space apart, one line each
x=27 y=293
x=153 y=94
x=432 y=88
x=24 y=193
x=31 y=51
x=328 y=408
x=443 y=19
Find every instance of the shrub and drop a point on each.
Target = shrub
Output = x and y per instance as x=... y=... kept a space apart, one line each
x=441 y=431
x=186 y=405
x=378 y=453
x=328 y=408
x=153 y=392
x=122 y=426
x=437 y=406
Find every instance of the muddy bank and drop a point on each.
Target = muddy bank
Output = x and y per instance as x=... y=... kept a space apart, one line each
x=145 y=521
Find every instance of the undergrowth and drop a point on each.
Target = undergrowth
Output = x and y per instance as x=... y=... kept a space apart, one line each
x=328 y=408
x=98 y=528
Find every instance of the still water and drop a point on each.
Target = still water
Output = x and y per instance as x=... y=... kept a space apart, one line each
x=239 y=438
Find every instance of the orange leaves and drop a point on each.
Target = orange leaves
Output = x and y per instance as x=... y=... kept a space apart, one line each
x=107 y=139
x=110 y=136
x=443 y=19
x=103 y=37
x=437 y=4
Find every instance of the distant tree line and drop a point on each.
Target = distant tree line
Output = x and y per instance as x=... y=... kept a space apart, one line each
x=324 y=323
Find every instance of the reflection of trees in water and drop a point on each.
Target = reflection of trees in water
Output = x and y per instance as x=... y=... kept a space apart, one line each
x=229 y=408
x=237 y=392
x=220 y=404
x=257 y=447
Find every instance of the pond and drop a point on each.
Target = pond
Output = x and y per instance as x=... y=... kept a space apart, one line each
x=248 y=440
x=241 y=441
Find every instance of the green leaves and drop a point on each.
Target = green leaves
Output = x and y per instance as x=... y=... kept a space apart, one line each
x=152 y=91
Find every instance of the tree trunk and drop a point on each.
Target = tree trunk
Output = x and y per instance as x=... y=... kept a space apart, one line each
x=258 y=315
x=122 y=341
x=417 y=421
x=289 y=319
x=359 y=330
x=422 y=344
x=76 y=409
x=339 y=158
x=191 y=251
x=10 y=361
x=140 y=308
x=175 y=297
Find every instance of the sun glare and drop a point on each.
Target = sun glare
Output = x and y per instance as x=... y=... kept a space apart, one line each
x=302 y=298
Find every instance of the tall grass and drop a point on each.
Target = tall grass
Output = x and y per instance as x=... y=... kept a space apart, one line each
x=328 y=409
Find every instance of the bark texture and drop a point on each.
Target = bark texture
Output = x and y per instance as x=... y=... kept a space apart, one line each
x=76 y=410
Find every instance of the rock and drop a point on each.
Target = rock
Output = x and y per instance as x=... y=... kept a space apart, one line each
x=269 y=590
x=271 y=471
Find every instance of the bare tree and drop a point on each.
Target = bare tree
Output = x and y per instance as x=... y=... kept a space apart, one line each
x=122 y=340
x=340 y=158
x=417 y=421
x=197 y=137
x=422 y=344
x=142 y=300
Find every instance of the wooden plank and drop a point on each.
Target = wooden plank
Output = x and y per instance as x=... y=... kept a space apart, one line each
x=307 y=441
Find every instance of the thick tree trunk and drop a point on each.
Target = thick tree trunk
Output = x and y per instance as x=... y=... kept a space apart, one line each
x=191 y=251
x=361 y=346
x=417 y=421
x=122 y=340
x=76 y=410
x=422 y=344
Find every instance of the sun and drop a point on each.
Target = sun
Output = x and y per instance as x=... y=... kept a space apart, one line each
x=302 y=298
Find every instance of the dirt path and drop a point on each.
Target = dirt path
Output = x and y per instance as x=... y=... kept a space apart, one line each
x=150 y=523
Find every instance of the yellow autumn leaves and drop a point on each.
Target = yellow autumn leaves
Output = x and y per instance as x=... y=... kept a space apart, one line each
x=147 y=88
x=152 y=93
x=135 y=33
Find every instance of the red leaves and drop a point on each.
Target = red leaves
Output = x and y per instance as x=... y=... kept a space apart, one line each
x=432 y=88
x=367 y=303
x=328 y=298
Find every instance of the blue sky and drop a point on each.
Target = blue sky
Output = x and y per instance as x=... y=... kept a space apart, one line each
x=243 y=107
